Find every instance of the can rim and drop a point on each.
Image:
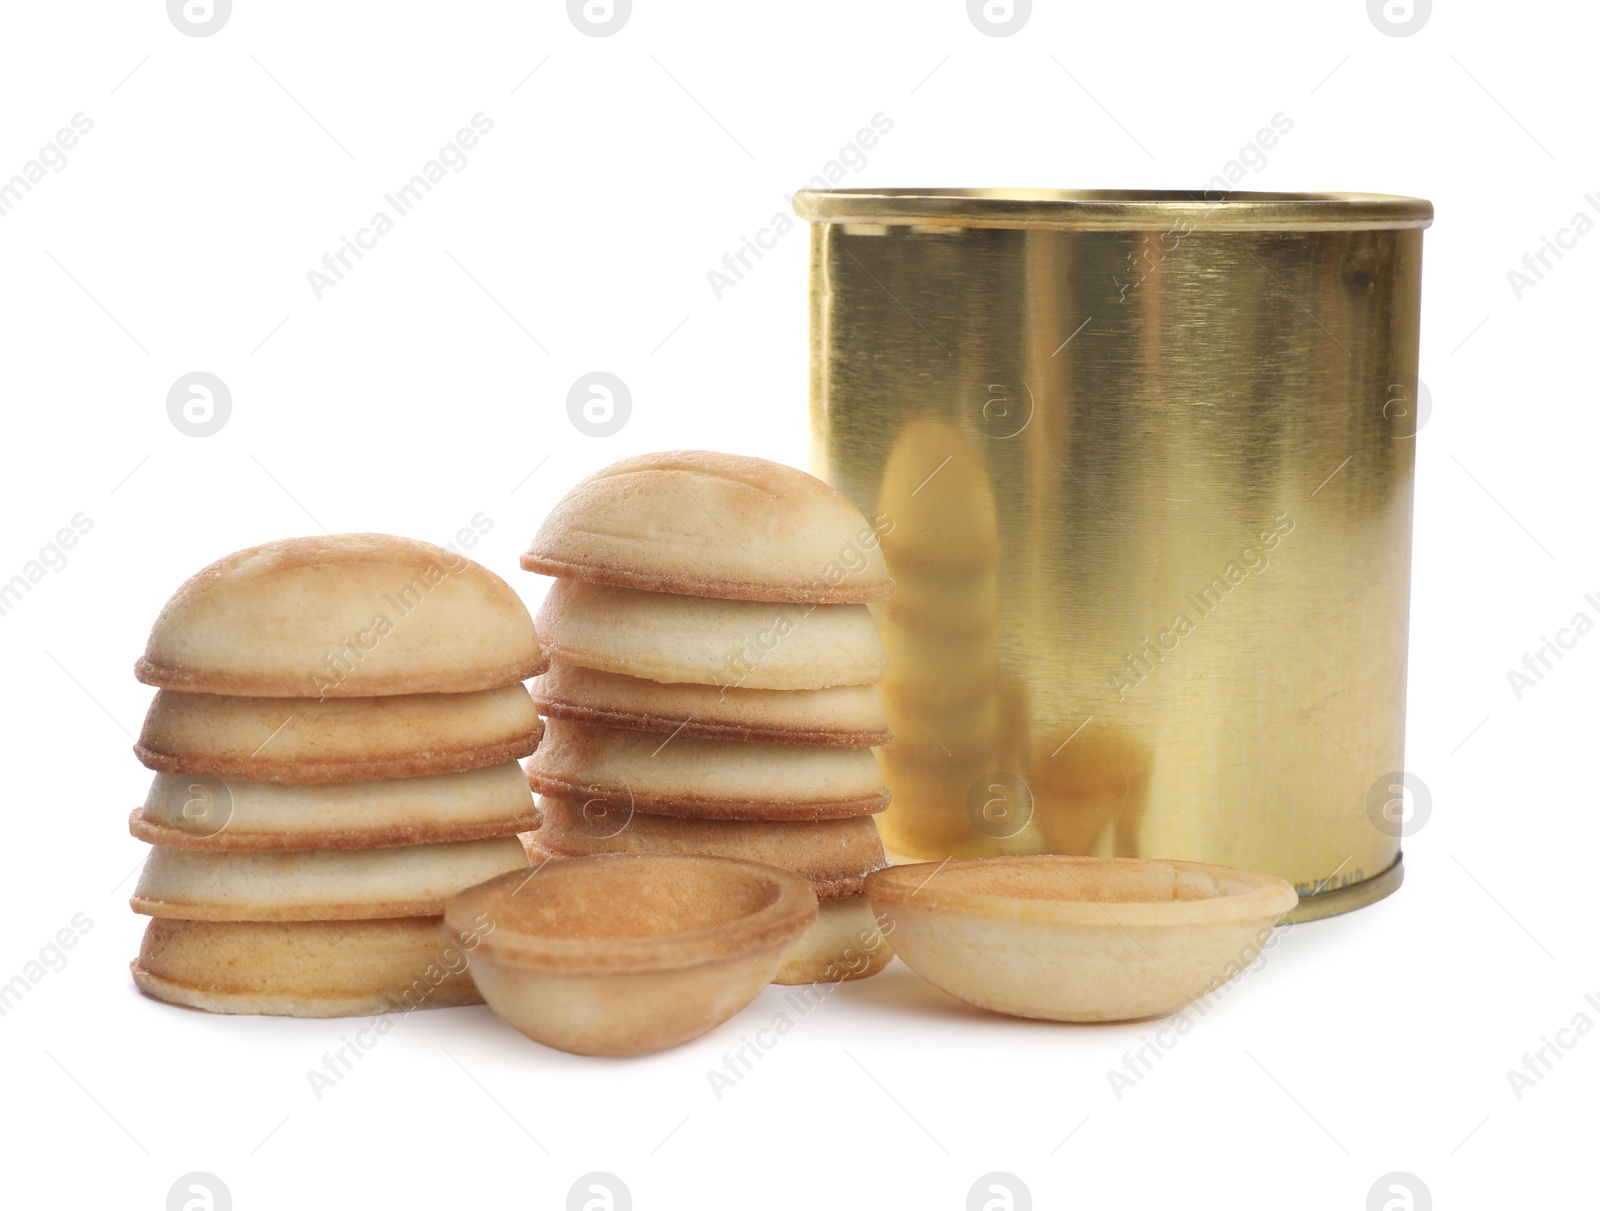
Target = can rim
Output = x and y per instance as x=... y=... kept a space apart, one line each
x=1113 y=209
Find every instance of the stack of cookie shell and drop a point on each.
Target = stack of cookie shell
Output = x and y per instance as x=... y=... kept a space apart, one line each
x=712 y=682
x=335 y=740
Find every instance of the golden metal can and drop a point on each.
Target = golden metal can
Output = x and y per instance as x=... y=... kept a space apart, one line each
x=1142 y=464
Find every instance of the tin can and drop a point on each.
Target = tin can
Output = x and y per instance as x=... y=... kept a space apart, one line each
x=1142 y=464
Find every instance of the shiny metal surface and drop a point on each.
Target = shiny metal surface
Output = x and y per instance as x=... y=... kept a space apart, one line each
x=1145 y=467
x=1115 y=210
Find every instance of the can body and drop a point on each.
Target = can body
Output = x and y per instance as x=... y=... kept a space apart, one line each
x=1144 y=479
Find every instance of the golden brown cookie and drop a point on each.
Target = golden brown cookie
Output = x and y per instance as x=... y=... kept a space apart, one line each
x=320 y=885
x=835 y=855
x=705 y=524
x=625 y=953
x=705 y=641
x=845 y=944
x=336 y=739
x=341 y=616
x=1078 y=939
x=305 y=969
x=209 y=813
x=851 y=716
x=707 y=779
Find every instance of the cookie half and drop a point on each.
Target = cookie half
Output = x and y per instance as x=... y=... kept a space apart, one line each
x=305 y=969
x=321 y=885
x=851 y=716
x=706 y=524
x=209 y=813
x=709 y=779
x=706 y=641
x=835 y=855
x=341 y=616
x=846 y=943
x=336 y=739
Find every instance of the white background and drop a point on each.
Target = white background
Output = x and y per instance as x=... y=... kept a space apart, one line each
x=428 y=386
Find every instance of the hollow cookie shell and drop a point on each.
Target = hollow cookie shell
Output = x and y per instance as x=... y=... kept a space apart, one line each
x=715 y=779
x=835 y=856
x=750 y=644
x=304 y=969
x=336 y=739
x=341 y=616
x=320 y=885
x=208 y=813
x=850 y=716
x=627 y=953
x=706 y=524
x=1078 y=939
x=845 y=944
